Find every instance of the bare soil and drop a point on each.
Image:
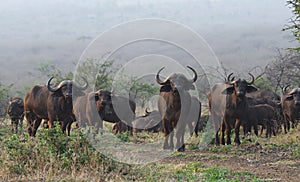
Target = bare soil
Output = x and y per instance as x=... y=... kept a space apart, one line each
x=268 y=164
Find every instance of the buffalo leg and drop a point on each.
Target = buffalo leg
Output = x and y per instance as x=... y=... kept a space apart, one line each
x=168 y=135
x=222 y=134
x=36 y=125
x=217 y=139
x=69 y=128
x=180 y=137
x=237 y=132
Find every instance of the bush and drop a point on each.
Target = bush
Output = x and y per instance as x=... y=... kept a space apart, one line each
x=50 y=155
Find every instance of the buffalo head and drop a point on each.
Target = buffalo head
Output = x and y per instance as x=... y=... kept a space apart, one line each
x=240 y=86
x=103 y=99
x=64 y=88
x=177 y=81
x=294 y=94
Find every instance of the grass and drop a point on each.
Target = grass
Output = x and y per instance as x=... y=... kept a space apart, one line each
x=51 y=156
x=213 y=174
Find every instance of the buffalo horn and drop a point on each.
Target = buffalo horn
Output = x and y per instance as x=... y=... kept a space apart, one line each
x=284 y=88
x=146 y=111
x=228 y=78
x=195 y=74
x=252 y=81
x=85 y=86
x=158 y=80
x=52 y=89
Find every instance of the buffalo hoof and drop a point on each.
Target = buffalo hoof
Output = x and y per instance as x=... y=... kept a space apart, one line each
x=181 y=149
x=237 y=143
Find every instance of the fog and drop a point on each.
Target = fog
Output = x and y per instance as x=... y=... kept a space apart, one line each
x=243 y=34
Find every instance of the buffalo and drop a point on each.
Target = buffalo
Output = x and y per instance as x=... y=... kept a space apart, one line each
x=262 y=114
x=228 y=106
x=275 y=104
x=94 y=107
x=52 y=103
x=291 y=107
x=150 y=121
x=15 y=111
x=174 y=105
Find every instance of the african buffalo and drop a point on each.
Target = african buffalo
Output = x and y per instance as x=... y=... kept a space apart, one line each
x=150 y=121
x=174 y=105
x=52 y=104
x=275 y=104
x=95 y=107
x=264 y=93
x=291 y=107
x=15 y=111
x=261 y=114
x=86 y=108
x=228 y=106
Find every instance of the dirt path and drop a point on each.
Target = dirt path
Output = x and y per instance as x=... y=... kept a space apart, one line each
x=269 y=164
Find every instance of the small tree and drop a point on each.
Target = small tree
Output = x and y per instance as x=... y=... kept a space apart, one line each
x=98 y=72
x=48 y=69
x=294 y=23
x=4 y=98
x=284 y=70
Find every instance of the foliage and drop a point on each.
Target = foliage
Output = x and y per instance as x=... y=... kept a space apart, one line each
x=294 y=23
x=284 y=70
x=263 y=83
x=98 y=72
x=49 y=70
x=4 y=98
x=123 y=136
x=51 y=154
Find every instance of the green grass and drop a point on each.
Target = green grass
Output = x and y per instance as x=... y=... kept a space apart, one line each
x=213 y=174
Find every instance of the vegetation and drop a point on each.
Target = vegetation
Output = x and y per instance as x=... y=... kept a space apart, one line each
x=53 y=156
x=294 y=23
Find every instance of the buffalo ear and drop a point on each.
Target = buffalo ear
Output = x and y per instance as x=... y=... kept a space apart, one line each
x=250 y=89
x=192 y=87
x=228 y=90
x=289 y=97
x=92 y=96
x=165 y=88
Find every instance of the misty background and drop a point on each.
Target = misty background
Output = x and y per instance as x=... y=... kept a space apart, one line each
x=243 y=34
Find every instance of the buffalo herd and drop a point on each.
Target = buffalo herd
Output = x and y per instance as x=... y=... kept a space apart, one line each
x=233 y=104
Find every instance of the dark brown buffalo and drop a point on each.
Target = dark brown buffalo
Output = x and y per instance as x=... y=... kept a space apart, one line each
x=264 y=115
x=174 y=105
x=150 y=121
x=101 y=105
x=52 y=104
x=15 y=111
x=120 y=110
x=275 y=104
x=264 y=93
x=87 y=107
x=291 y=107
x=228 y=106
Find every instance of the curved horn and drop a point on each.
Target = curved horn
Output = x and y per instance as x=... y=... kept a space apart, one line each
x=292 y=91
x=85 y=86
x=158 y=80
x=52 y=89
x=284 y=88
x=195 y=74
x=228 y=78
x=252 y=81
x=146 y=111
